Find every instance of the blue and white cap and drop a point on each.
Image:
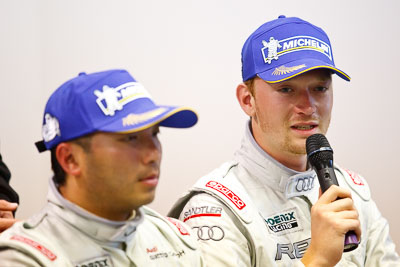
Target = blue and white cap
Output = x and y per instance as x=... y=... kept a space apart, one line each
x=286 y=47
x=108 y=101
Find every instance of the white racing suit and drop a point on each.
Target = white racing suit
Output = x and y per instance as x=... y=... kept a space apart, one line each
x=256 y=212
x=63 y=234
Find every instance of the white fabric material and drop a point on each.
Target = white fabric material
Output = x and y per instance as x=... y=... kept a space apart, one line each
x=265 y=214
x=63 y=234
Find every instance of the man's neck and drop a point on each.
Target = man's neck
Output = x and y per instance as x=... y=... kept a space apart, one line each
x=78 y=195
x=296 y=162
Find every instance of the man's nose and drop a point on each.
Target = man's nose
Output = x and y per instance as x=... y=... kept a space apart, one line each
x=151 y=150
x=305 y=103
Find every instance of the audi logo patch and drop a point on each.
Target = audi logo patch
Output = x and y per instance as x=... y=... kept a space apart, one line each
x=205 y=232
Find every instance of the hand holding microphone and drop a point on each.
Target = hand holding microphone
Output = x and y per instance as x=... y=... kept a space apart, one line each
x=320 y=156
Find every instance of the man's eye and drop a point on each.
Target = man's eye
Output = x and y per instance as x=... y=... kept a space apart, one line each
x=285 y=90
x=321 y=89
x=131 y=138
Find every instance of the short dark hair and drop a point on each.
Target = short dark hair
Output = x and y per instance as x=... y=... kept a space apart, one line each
x=59 y=173
x=250 y=84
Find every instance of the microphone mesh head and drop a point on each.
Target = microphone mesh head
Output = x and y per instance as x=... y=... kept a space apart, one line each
x=314 y=143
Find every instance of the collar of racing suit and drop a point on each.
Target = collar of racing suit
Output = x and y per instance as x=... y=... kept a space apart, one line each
x=113 y=233
x=263 y=170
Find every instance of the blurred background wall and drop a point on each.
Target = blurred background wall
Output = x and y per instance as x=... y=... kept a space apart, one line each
x=188 y=52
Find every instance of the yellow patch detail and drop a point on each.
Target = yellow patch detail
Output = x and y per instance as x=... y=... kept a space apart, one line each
x=133 y=118
x=285 y=70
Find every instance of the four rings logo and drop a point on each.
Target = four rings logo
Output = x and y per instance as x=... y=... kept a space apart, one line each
x=227 y=192
x=305 y=184
x=205 y=233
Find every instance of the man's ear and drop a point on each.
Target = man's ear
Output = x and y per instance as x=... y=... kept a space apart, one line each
x=246 y=99
x=69 y=156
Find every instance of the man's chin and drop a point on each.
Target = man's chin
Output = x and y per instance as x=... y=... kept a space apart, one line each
x=297 y=149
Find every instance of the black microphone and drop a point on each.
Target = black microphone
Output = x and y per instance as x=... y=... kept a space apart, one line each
x=320 y=156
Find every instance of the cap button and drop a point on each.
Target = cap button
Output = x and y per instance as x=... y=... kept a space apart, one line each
x=82 y=73
x=281 y=17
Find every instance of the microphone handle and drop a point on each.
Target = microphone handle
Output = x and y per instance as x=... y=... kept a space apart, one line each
x=326 y=177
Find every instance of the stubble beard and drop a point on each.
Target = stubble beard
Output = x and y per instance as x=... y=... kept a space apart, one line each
x=286 y=143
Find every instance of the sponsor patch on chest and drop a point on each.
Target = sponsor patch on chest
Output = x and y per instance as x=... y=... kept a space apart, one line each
x=283 y=222
x=203 y=211
x=291 y=251
x=229 y=194
x=155 y=254
x=178 y=225
x=36 y=245
x=101 y=261
x=357 y=180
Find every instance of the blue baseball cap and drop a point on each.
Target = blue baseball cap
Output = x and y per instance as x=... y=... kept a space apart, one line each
x=107 y=101
x=286 y=47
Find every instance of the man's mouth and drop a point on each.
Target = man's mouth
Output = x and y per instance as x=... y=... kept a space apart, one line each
x=304 y=127
x=151 y=180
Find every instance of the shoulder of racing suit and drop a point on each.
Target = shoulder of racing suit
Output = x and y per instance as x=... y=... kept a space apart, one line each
x=222 y=184
x=354 y=181
x=32 y=244
x=168 y=224
x=31 y=239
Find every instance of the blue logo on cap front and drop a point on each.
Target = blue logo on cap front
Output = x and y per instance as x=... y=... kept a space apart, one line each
x=273 y=49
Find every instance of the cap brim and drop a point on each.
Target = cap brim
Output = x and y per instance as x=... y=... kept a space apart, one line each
x=167 y=116
x=297 y=67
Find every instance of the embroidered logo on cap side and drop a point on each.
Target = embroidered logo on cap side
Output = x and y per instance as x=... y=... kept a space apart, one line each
x=50 y=128
x=112 y=99
x=228 y=193
x=274 y=48
x=133 y=118
x=36 y=245
x=282 y=70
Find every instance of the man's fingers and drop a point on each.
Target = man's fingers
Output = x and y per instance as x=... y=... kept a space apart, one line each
x=6 y=223
x=6 y=214
x=348 y=214
x=342 y=204
x=334 y=192
x=7 y=206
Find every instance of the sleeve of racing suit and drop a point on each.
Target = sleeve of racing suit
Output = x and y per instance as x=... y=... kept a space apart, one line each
x=220 y=240
x=13 y=258
x=380 y=248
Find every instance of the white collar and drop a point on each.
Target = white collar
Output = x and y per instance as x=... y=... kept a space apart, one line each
x=96 y=227
x=264 y=170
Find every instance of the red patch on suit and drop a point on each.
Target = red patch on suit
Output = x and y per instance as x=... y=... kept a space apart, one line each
x=36 y=245
x=178 y=225
x=227 y=193
x=354 y=176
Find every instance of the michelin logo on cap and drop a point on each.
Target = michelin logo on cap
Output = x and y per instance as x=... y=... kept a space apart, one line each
x=113 y=99
x=275 y=48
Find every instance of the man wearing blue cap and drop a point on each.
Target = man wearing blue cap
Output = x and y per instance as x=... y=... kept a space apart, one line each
x=102 y=129
x=263 y=207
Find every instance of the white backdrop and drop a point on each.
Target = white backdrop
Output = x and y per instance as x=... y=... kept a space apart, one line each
x=188 y=52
